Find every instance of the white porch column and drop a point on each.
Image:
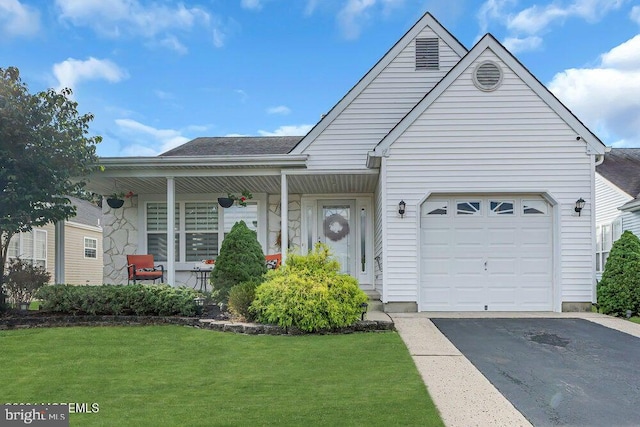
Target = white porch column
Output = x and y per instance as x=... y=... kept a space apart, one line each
x=171 y=231
x=59 y=255
x=284 y=217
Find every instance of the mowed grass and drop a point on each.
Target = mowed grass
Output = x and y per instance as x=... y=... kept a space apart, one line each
x=178 y=376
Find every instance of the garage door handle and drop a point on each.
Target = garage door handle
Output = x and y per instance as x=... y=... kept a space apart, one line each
x=485 y=265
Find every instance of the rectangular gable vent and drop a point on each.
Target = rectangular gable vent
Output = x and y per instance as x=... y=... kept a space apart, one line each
x=427 y=54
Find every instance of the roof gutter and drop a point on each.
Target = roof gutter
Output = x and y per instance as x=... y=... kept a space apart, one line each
x=271 y=160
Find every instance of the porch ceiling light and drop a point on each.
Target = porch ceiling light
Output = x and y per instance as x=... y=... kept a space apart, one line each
x=579 y=205
x=401 y=208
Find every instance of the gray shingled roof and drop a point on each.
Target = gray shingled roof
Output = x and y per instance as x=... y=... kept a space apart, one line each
x=86 y=212
x=621 y=166
x=235 y=146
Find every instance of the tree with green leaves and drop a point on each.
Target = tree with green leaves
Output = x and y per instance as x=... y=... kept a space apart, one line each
x=619 y=288
x=45 y=150
x=241 y=259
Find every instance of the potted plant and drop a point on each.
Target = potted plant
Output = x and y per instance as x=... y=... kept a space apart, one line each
x=116 y=200
x=227 y=202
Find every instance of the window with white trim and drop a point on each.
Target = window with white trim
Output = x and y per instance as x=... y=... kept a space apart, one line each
x=200 y=227
x=606 y=235
x=90 y=247
x=29 y=246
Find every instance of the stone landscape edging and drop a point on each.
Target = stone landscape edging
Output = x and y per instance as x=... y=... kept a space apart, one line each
x=26 y=322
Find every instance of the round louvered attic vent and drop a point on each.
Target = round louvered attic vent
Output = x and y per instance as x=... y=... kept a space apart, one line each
x=487 y=76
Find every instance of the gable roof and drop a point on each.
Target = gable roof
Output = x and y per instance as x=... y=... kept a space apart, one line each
x=595 y=146
x=86 y=212
x=621 y=167
x=427 y=20
x=235 y=146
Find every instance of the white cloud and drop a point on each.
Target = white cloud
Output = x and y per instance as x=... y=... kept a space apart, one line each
x=251 y=4
x=515 y=44
x=527 y=26
x=291 y=130
x=117 y=18
x=171 y=42
x=280 y=109
x=536 y=19
x=635 y=14
x=17 y=19
x=600 y=96
x=73 y=71
x=146 y=137
x=352 y=17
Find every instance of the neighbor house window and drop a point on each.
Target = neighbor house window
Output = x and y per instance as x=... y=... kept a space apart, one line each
x=90 y=247
x=29 y=246
x=606 y=235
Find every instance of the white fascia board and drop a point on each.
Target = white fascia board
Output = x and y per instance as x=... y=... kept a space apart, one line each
x=593 y=143
x=271 y=160
x=631 y=206
x=83 y=226
x=427 y=20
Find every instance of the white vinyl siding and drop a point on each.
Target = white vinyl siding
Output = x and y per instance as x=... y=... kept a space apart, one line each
x=505 y=141
x=378 y=108
x=608 y=200
x=631 y=222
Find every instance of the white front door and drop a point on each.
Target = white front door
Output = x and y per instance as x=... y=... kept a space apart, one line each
x=486 y=253
x=336 y=228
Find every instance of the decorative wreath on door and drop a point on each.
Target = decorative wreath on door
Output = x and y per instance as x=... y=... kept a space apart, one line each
x=336 y=227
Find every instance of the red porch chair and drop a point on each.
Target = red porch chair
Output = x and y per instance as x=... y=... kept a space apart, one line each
x=142 y=267
x=273 y=261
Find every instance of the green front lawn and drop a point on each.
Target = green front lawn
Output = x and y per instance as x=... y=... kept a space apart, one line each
x=178 y=376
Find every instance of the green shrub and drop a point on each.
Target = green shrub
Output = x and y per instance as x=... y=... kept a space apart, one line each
x=138 y=299
x=240 y=298
x=22 y=280
x=309 y=293
x=241 y=259
x=619 y=288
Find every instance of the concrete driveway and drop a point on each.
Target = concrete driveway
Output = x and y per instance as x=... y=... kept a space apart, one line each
x=538 y=368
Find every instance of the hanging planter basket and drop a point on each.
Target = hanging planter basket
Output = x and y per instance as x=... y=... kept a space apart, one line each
x=225 y=202
x=115 y=203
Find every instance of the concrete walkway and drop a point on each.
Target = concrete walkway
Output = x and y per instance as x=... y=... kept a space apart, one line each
x=461 y=393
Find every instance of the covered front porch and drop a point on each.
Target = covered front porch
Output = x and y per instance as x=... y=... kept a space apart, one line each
x=176 y=200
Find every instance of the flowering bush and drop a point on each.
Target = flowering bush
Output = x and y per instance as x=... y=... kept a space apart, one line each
x=242 y=199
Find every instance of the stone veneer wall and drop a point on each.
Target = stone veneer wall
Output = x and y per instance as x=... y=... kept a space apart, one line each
x=273 y=220
x=120 y=238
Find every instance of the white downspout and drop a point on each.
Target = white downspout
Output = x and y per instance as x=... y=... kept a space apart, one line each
x=171 y=230
x=284 y=216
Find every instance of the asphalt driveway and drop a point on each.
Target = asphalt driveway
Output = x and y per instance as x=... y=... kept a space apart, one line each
x=555 y=371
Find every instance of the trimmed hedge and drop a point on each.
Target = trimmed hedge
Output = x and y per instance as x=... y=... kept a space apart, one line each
x=619 y=288
x=309 y=293
x=240 y=260
x=138 y=299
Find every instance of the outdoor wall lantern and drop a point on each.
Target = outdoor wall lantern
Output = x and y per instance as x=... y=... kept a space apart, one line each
x=401 y=208
x=579 y=205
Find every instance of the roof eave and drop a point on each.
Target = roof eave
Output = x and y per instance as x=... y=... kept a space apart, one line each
x=263 y=160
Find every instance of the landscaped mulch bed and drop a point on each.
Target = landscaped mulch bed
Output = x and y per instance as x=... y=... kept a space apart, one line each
x=39 y=319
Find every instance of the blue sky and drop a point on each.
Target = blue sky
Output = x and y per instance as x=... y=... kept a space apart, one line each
x=159 y=73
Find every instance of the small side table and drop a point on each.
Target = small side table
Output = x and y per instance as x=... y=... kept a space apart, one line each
x=202 y=274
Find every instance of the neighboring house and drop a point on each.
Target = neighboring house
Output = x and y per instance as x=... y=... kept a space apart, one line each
x=486 y=162
x=82 y=246
x=617 y=201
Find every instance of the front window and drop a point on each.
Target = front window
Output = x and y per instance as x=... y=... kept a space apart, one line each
x=200 y=227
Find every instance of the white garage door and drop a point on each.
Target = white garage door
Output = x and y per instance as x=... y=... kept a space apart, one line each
x=486 y=253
